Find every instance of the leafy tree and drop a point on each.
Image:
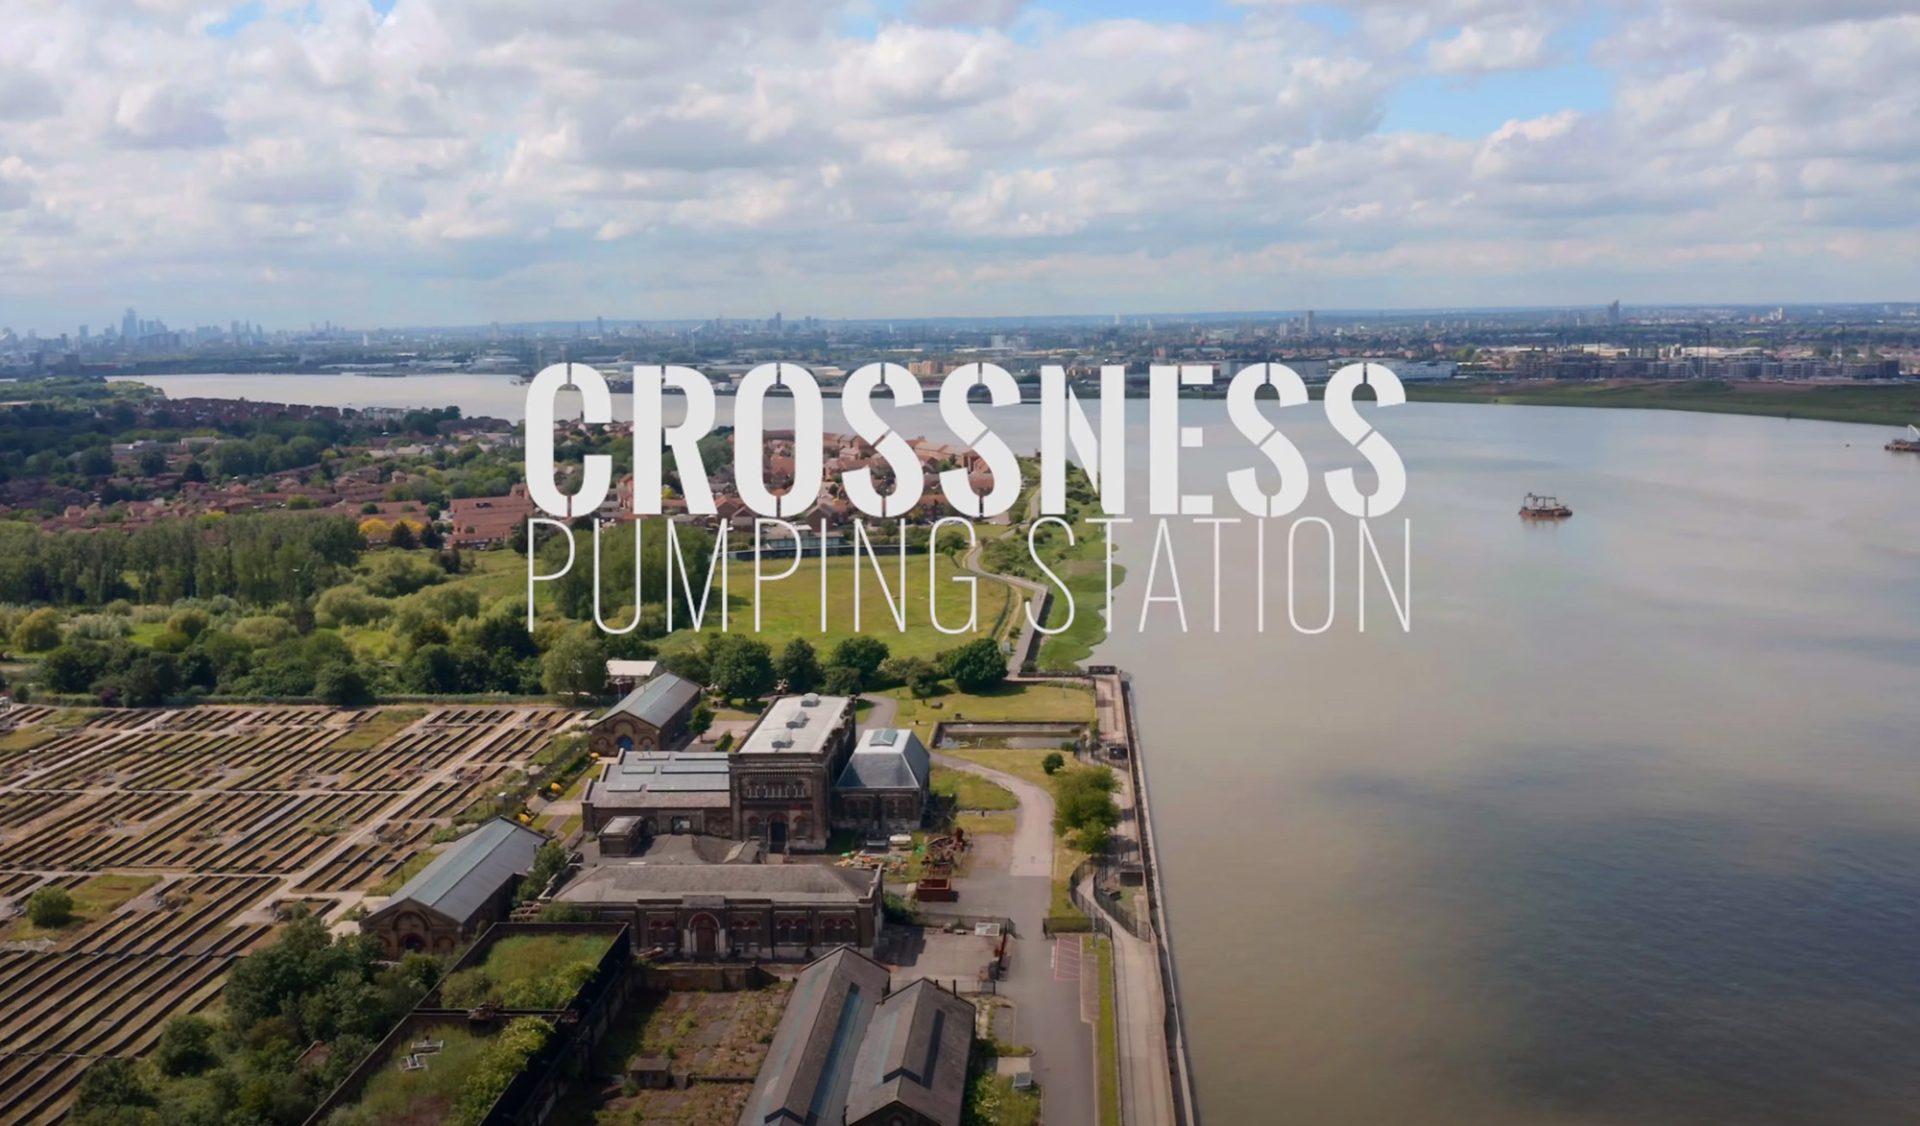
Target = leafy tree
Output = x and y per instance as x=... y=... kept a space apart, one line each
x=191 y=621
x=110 y=1083
x=73 y=667
x=575 y=666
x=842 y=680
x=38 y=631
x=402 y=537
x=701 y=719
x=862 y=653
x=799 y=666
x=1083 y=804
x=432 y=670
x=921 y=676
x=740 y=665
x=50 y=906
x=343 y=685
x=185 y=1046
x=1053 y=762
x=977 y=665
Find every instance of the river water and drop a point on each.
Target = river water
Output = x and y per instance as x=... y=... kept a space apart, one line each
x=1625 y=829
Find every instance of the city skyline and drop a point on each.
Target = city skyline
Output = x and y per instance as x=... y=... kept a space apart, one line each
x=425 y=163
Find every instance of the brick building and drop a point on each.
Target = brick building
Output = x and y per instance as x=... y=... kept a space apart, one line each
x=782 y=912
x=784 y=769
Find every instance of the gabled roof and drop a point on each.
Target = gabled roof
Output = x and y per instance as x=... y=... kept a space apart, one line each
x=657 y=701
x=887 y=758
x=810 y=1064
x=914 y=1054
x=472 y=870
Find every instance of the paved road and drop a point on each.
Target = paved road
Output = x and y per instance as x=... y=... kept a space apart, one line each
x=1043 y=979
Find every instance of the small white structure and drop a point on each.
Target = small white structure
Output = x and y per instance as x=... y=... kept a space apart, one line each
x=627 y=675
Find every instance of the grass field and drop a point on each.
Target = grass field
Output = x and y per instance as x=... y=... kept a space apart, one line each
x=790 y=608
x=1893 y=405
x=93 y=901
x=970 y=791
x=1038 y=703
x=377 y=729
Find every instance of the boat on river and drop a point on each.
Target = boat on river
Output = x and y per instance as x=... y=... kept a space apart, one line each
x=1909 y=444
x=1540 y=507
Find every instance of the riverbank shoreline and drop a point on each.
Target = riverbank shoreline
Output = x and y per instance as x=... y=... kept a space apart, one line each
x=1893 y=404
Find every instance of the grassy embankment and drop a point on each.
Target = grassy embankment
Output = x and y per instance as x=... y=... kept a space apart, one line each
x=1893 y=405
x=1107 y=1032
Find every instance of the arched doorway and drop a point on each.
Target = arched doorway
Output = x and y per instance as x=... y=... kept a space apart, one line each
x=705 y=936
x=777 y=835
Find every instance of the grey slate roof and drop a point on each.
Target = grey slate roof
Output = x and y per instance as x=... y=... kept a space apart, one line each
x=845 y=1050
x=473 y=869
x=915 y=1054
x=887 y=758
x=656 y=701
x=793 y=883
x=810 y=1064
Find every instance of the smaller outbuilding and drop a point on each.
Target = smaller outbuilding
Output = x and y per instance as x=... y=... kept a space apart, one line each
x=883 y=788
x=848 y=1051
x=466 y=887
x=652 y=717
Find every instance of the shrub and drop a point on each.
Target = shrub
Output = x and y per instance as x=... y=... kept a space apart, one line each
x=98 y=627
x=1052 y=762
x=50 y=907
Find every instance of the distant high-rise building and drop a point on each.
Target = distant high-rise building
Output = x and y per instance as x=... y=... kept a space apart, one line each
x=1308 y=326
x=600 y=327
x=1613 y=313
x=129 y=325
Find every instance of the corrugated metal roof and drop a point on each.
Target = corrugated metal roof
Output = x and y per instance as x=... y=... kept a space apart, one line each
x=473 y=869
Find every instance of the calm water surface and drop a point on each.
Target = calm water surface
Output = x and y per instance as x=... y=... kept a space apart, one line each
x=1625 y=830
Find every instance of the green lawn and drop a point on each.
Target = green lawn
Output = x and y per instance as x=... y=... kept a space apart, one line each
x=791 y=607
x=25 y=738
x=970 y=791
x=1107 y=1038
x=93 y=901
x=377 y=729
x=1037 y=703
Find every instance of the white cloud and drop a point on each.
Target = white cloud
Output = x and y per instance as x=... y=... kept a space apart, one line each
x=458 y=161
x=1475 y=50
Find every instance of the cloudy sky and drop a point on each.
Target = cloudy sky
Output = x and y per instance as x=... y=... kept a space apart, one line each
x=463 y=161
